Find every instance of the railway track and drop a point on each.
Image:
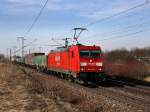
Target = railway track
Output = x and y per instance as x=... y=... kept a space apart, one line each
x=128 y=98
x=137 y=97
x=136 y=89
x=129 y=83
x=133 y=100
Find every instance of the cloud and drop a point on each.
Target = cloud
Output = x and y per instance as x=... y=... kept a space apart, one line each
x=22 y=2
x=19 y=6
x=110 y=8
x=26 y=6
x=92 y=9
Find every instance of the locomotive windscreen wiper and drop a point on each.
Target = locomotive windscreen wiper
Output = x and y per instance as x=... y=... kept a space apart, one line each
x=90 y=53
x=95 y=54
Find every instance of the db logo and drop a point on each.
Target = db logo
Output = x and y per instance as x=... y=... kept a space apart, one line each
x=57 y=58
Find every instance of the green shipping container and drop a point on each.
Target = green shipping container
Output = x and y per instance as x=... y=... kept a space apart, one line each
x=20 y=60
x=41 y=60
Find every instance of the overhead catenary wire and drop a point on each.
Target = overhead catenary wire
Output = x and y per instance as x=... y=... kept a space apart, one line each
x=140 y=19
x=117 y=14
x=30 y=44
x=21 y=48
x=114 y=15
x=36 y=19
x=89 y=24
x=59 y=37
x=127 y=29
x=123 y=36
x=33 y=24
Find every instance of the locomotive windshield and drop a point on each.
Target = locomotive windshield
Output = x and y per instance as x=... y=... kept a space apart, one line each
x=90 y=53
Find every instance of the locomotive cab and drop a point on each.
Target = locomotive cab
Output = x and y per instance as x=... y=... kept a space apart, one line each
x=90 y=63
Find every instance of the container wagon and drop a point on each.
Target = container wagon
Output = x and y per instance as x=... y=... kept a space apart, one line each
x=30 y=59
x=41 y=62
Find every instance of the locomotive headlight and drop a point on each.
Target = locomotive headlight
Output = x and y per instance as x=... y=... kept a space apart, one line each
x=99 y=64
x=82 y=69
x=83 y=64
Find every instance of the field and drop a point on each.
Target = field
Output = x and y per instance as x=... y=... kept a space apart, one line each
x=148 y=78
x=26 y=90
x=16 y=95
x=131 y=70
x=132 y=64
x=149 y=68
x=23 y=90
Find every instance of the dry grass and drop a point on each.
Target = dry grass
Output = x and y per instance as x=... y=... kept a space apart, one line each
x=22 y=89
x=79 y=100
x=148 y=77
x=148 y=67
x=15 y=94
x=59 y=92
x=17 y=83
x=134 y=70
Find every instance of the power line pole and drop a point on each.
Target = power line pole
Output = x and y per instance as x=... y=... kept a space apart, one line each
x=7 y=53
x=10 y=54
x=14 y=48
x=22 y=39
x=30 y=51
x=40 y=49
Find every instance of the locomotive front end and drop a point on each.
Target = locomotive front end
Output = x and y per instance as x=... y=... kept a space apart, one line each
x=91 y=63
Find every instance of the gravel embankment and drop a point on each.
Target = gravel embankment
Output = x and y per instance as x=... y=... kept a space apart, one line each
x=16 y=95
x=23 y=89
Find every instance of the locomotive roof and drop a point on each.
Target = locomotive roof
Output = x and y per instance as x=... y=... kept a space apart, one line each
x=89 y=47
x=59 y=49
x=80 y=46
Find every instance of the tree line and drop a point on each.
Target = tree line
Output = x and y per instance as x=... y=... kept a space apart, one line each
x=124 y=55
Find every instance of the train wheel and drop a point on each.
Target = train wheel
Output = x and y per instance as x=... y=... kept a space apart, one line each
x=63 y=76
x=70 y=78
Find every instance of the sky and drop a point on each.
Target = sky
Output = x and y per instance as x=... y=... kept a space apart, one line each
x=61 y=16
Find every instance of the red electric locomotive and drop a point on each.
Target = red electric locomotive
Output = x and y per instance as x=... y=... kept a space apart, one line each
x=77 y=62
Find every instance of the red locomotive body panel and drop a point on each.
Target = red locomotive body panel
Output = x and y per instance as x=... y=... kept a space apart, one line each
x=64 y=60
x=76 y=60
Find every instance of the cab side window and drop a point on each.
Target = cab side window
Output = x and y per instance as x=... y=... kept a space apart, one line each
x=72 y=54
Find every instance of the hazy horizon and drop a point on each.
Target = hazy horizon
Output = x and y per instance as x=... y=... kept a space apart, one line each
x=61 y=16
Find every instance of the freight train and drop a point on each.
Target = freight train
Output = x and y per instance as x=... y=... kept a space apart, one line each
x=73 y=62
